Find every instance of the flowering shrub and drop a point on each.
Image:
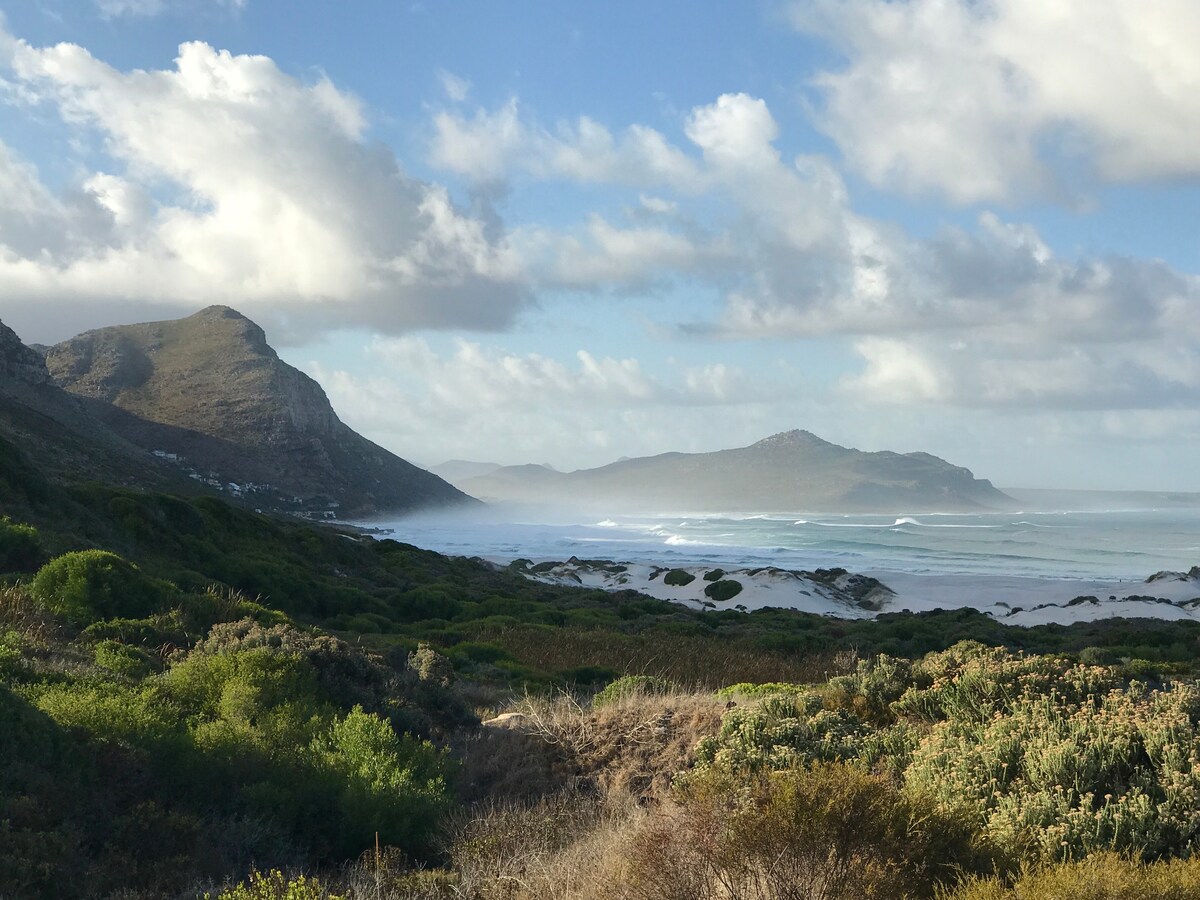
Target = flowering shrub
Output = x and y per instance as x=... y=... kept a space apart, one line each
x=1052 y=760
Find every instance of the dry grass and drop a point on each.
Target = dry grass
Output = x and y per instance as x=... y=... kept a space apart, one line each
x=632 y=746
x=507 y=763
x=578 y=785
x=19 y=612
x=565 y=847
x=706 y=661
x=43 y=643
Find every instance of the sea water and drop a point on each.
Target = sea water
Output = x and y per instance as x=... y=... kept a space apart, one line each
x=1093 y=545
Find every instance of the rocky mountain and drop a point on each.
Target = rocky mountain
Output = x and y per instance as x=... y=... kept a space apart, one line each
x=795 y=471
x=60 y=431
x=209 y=396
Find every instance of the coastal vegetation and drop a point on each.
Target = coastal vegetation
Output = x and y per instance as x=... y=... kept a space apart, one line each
x=199 y=700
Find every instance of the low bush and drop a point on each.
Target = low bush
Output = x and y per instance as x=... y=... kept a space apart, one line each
x=20 y=547
x=121 y=659
x=1051 y=759
x=725 y=589
x=88 y=585
x=1103 y=876
x=391 y=787
x=274 y=885
x=678 y=578
x=630 y=685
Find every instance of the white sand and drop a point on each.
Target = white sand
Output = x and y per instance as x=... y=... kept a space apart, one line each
x=1012 y=600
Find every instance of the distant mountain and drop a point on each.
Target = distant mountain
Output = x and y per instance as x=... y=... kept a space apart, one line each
x=456 y=470
x=208 y=395
x=794 y=471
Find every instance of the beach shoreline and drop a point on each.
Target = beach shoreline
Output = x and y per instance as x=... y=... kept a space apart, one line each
x=1011 y=599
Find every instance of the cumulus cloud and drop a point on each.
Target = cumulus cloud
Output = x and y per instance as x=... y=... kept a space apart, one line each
x=490 y=146
x=988 y=315
x=231 y=181
x=998 y=100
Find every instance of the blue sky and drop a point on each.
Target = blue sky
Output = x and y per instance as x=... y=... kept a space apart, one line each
x=573 y=232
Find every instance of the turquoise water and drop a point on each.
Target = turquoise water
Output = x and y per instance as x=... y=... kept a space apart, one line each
x=1076 y=545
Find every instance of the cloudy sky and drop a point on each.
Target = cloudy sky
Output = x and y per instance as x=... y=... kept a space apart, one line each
x=567 y=233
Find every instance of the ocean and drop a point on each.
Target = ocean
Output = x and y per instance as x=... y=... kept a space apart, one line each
x=1093 y=545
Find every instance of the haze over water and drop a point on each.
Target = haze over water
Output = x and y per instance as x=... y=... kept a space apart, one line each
x=1100 y=545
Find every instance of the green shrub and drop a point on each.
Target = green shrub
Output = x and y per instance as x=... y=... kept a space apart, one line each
x=678 y=578
x=632 y=686
x=481 y=652
x=1055 y=779
x=274 y=885
x=873 y=687
x=725 y=589
x=781 y=731
x=88 y=585
x=12 y=647
x=393 y=786
x=1052 y=760
x=1102 y=876
x=431 y=666
x=137 y=715
x=121 y=659
x=20 y=547
x=747 y=690
x=714 y=575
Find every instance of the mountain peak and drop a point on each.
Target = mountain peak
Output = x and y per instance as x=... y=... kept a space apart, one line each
x=217 y=311
x=210 y=391
x=795 y=438
x=226 y=322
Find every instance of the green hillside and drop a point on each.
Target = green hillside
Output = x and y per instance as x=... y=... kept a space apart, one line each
x=191 y=692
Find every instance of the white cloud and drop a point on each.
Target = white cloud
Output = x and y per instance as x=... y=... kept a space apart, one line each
x=527 y=407
x=896 y=372
x=600 y=254
x=456 y=88
x=994 y=100
x=492 y=146
x=988 y=315
x=239 y=183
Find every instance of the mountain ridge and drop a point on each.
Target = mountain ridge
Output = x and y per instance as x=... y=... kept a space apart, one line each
x=794 y=471
x=209 y=394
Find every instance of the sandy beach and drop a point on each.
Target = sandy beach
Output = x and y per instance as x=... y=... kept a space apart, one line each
x=1011 y=599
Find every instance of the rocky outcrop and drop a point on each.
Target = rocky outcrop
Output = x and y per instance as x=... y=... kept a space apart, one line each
x=209 y=392
x=60 y=430
x=18 y=363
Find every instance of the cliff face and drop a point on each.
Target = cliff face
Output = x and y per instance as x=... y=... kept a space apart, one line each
x=794 y=471
x=211 y=392
x=19 y=364
x=61 y=431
